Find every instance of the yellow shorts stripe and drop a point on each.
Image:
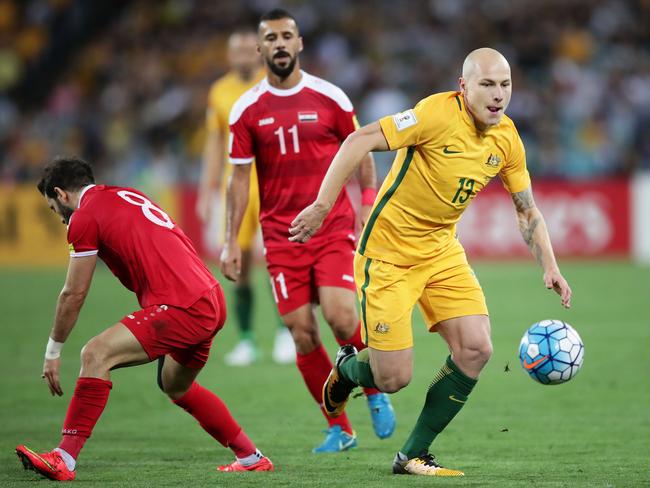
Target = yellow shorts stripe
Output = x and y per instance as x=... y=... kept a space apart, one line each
x=366 y=282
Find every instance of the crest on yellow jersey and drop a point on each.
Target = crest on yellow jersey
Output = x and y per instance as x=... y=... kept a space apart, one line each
x=382 y=328
x=493 y=160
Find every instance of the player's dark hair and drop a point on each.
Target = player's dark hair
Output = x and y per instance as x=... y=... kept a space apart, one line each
x=67 y=173
x=276 y=14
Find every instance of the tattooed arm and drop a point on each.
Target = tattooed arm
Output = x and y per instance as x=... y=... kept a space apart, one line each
x=533 y=229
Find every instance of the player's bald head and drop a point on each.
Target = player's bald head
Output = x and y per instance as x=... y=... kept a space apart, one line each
x=486 y=86
x=484 y=60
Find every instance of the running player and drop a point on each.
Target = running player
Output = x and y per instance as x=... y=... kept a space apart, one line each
x=182 y=304
x=246 y=71
x=450 y=146
x=292 y=124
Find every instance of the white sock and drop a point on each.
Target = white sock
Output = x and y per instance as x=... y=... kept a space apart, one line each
x=250 y=460
x=69 y=461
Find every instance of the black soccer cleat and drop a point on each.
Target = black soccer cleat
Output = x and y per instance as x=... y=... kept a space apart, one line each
x=337 y=389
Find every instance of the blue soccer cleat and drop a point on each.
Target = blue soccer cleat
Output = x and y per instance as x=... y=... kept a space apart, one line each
x=337 y=440
x=382 y=414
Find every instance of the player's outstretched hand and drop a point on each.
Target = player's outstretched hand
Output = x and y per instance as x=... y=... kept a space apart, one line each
x=305 y=225
x=554 y=280
x=231 y=261
x=51 y=375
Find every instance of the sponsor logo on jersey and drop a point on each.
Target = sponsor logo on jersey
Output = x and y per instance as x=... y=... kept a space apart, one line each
x=266 y=121
x=307 y=116
x=382 y=328
x=493 y=160
x=446 y=150
x=405 y=119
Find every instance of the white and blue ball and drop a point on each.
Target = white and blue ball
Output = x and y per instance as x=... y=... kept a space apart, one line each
x=551 y=352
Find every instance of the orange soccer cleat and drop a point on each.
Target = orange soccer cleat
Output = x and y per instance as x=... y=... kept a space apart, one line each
x=263 y=464
x=49 y=464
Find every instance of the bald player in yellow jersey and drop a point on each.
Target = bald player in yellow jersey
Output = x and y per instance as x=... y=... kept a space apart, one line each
x=449 y=147
x=246 y=71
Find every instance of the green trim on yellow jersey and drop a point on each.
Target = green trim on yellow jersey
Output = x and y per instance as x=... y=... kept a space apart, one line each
x=366 y=282
x=384 y=199
x=460 y=107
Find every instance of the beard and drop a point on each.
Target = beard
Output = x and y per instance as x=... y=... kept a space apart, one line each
x=279 y=70
x=64 y=212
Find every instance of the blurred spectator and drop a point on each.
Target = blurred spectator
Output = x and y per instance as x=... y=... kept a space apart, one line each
x=132 y=97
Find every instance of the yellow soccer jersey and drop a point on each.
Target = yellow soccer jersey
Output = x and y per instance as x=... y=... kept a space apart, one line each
x=442 y=163
x=223 y=94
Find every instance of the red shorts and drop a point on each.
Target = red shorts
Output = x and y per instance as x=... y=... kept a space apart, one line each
x=298 y=271
x=184 y=333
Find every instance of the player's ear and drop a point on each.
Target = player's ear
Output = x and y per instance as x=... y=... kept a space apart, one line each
x=300 y=44
x=462 y=84
x=61 y=194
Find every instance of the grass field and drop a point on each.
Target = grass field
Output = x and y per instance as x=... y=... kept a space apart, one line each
x=591 y=432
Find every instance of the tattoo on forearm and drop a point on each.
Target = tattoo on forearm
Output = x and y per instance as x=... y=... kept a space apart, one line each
x=528 y=232
x=523 y=200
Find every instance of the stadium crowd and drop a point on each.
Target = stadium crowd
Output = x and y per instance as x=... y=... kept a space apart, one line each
x=131 y=96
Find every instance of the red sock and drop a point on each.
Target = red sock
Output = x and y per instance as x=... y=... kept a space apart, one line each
x=315 y=367
x=242 y=446
x=356 y=341
x=87 y=404
x=216 y=420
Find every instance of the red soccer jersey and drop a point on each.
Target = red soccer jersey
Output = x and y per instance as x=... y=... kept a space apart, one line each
x=140 y=244
x=293 y=136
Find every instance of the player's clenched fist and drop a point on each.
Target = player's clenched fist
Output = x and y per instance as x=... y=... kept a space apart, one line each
x=231 y=261
x=305 y=225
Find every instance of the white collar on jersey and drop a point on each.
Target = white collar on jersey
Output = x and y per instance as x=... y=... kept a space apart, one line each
x=289 y=91
x=83 y=192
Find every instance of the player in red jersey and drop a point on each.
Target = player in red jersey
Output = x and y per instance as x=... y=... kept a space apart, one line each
x=292 y=124
x=183 y=307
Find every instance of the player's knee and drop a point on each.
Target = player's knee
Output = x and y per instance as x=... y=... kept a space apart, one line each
x=343 y=322
x=93 y=354
x=175 y=391
x=477 y=354
x=306 y=340
x=392 y=382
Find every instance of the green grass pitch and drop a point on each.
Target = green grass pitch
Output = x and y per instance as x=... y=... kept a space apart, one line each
x=592 y=432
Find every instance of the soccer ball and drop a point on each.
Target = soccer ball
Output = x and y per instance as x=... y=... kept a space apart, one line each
x=551 y=352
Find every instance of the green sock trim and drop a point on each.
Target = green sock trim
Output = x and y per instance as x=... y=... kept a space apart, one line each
x=447 y=394
x=357 y=370
x=244 y=310
x=464 y=382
